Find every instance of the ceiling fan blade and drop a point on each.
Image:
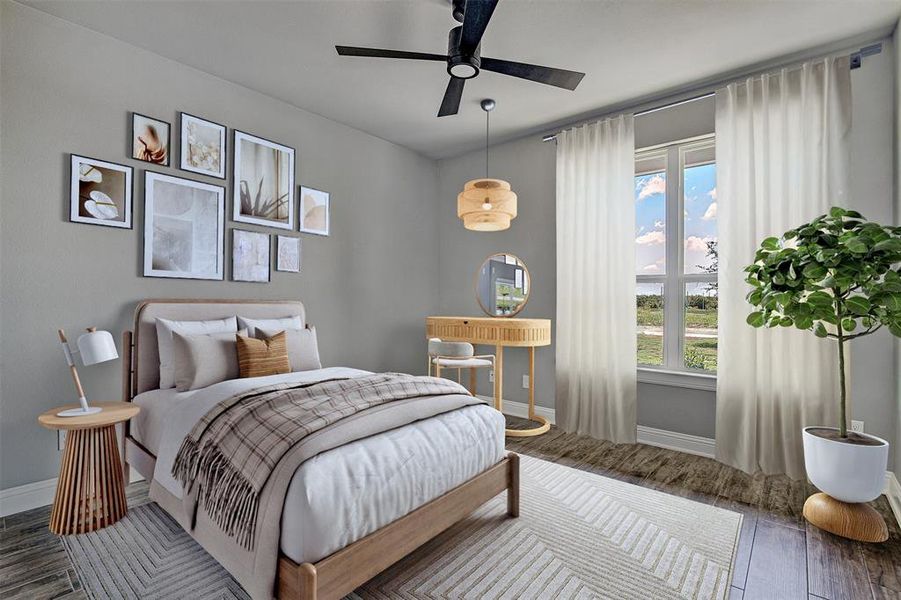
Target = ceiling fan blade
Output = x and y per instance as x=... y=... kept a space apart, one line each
x=475 y=20
x=380 y=53
x=452 y=95
x=547 y=75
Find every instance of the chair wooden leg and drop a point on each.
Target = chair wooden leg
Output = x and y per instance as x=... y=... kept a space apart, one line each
x=472 y=381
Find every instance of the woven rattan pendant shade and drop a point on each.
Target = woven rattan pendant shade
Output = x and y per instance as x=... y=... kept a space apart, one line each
x=486 y=205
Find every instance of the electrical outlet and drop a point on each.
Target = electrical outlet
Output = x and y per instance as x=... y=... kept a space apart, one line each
x=60 y=439
x=525 y=382
x=491 y=376
x=857 y=426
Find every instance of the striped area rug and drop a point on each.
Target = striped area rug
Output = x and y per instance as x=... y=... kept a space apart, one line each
x=579 y=535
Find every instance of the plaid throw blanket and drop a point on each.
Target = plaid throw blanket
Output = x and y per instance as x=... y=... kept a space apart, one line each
x=233 y=449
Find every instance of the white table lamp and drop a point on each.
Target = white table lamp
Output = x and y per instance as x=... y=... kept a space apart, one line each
x=94 y=347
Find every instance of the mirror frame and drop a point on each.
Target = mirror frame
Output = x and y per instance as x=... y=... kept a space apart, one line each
x=522 y=264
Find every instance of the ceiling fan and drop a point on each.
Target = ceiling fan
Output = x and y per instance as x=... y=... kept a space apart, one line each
x=464 y=59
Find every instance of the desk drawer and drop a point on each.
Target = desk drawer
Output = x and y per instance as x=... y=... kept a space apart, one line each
x=475 y=331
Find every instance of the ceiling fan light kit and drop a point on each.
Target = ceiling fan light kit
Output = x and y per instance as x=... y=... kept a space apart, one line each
x=464 y=58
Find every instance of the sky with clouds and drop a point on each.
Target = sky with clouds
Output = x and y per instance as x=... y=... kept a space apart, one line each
x=650 y=215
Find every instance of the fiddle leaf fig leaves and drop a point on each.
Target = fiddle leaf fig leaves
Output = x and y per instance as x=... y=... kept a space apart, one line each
x=838 y=276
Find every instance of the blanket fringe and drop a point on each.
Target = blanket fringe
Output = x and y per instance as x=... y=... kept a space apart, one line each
x=228 y=498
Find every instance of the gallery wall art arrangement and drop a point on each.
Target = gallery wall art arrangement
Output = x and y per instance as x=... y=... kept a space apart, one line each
x=184 y=219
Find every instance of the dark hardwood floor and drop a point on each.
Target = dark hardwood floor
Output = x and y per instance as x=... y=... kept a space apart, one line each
x=779 y=554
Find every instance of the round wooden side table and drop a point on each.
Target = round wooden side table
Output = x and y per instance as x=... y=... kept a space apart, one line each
x=90 y=492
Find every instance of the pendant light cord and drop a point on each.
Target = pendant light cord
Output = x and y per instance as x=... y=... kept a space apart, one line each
x=487 y=117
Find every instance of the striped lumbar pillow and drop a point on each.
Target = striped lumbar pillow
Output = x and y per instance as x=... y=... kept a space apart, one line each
x=258 y=358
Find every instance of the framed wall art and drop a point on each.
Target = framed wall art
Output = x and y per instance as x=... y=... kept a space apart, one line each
x=100 y=192
x=150 y=139
x=287 y=254
x=250 y=256
x=203 y=146
x=184 y=228
x=264 y=182
x=314 y=211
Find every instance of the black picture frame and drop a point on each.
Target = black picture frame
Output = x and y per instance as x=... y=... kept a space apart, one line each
x=149 y=222
x=223 y=155
x=133 y=154
x=237 y=215
x=74 y=195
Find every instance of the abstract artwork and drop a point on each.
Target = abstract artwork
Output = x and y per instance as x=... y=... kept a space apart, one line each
x=264 y=182
x=250 y=256
x=100 y=192
x=149 y=139
x=314 y=211
x=287 y=256
x=202 y=146
x=184 y=228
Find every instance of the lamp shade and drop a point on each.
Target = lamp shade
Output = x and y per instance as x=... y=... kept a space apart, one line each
x=486 y=205
x=96 y=347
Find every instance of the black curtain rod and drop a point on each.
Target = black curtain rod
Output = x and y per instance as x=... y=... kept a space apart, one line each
x=709 y=89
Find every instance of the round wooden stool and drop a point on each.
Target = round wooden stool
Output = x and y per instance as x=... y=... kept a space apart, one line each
x=90 y=491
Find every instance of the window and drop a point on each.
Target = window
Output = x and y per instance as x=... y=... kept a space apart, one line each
x=676 y=257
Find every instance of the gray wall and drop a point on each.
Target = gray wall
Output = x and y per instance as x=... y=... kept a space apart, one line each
x=66 y=89
x=897 y=42
x=529 y=165
x=873 y=168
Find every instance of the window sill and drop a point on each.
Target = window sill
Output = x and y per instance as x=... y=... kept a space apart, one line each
x=683 y=379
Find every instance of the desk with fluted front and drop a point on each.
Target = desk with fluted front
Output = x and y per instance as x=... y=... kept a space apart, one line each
x=499 y=332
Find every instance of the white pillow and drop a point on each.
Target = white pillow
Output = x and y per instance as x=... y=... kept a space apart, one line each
x=164 y=329
x=303 y=349
x=205 y=359
x=277 y=325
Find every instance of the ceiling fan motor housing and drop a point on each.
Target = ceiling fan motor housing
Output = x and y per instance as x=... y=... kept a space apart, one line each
x=458 y=64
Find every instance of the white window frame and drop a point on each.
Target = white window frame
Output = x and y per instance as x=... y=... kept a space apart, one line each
x=673 y=371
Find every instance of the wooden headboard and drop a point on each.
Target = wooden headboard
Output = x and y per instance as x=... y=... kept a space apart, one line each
x=141 y=364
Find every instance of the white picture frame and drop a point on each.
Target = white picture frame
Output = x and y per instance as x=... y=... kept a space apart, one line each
x=100 y=192
x=184 y=228
x=203 y=146
x=288 y=254
x=264 y=178
x=314 y=211
x=251 y=256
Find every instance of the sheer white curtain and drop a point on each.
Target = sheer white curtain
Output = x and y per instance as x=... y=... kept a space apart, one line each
x=782 y=159
x=596 y=363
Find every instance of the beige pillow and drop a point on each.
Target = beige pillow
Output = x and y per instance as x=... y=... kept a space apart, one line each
x=205 y=359
x=303 y=349
x=259 y=358
x=165 y=329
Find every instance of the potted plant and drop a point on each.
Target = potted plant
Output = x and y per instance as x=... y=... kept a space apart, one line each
x=838 y=276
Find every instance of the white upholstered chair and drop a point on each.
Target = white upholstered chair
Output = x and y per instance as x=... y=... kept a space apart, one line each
x=459 y=356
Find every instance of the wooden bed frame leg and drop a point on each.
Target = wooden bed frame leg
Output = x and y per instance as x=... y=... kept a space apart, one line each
x=308 y=584
x=513 y=486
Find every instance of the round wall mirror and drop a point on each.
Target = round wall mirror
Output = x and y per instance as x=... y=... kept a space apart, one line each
x=502 y=285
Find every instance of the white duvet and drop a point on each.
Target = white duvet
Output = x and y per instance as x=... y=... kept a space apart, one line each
x=344 y=494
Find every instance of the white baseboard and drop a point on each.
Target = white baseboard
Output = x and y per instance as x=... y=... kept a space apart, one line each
x=893 y=493
x=28 y=496
x=673 y=440
x=37 y=494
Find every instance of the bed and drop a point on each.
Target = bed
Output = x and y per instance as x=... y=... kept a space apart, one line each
x=348 y=512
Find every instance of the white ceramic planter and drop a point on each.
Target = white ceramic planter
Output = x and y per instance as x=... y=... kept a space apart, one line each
x=847 y=472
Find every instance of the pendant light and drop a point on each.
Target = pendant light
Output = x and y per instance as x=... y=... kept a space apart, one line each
x=486 y=204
